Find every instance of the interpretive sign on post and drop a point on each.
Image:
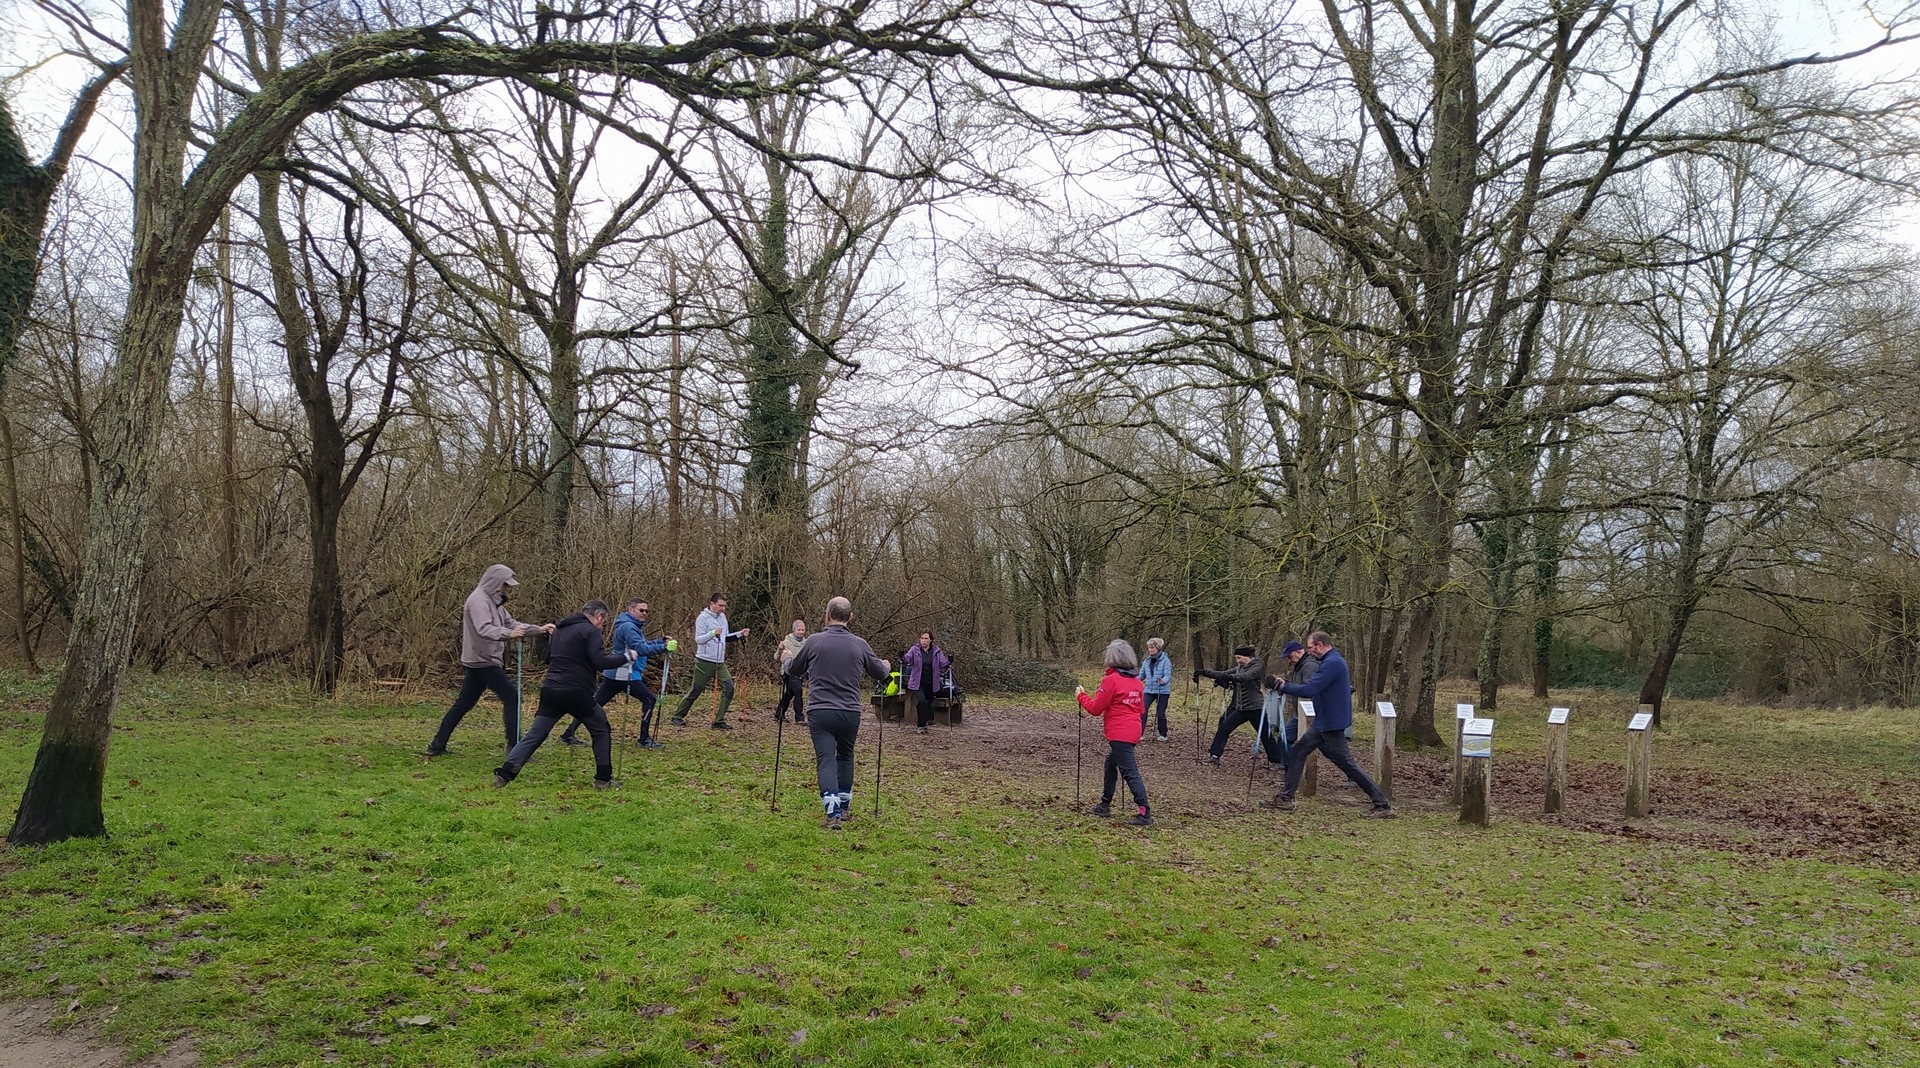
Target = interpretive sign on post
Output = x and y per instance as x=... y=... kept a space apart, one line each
x=1640 y=763
x=1309 y=775
x=1383 y=742
x=1462 y=712
x=1476 y=786
x=1556 y=759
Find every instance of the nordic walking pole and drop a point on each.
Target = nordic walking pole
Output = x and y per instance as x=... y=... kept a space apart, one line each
x=1079 y=725
x=879 y=752
x=1259 y=743
x=773 y=801
x=519 y=665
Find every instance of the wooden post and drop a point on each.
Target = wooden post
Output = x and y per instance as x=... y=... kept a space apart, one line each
x=1556 y=760
x=1310 y=774
x=1383 y=731
x=1462 y=712
x=1640 y=763
x=1476 y=783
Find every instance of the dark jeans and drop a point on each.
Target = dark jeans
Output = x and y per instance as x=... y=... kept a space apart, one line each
x=1232 y=720
x=834 y=731
x=703 y=673
x=612 y=688
x=1335 y=747
x=1121 y=763
x=478 y=681
x=791 y=693
x=1150 y=699
x=553 y=705
x=924 y=696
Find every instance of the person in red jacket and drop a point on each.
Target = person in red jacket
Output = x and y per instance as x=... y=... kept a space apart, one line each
x=1119 y=704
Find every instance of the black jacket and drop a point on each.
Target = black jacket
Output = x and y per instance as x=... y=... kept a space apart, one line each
x=1245 y=682
x=575 y=656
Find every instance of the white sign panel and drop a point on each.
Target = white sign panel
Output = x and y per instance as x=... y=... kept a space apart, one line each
x=1477 y=741
x=1463 y=711
x=1479 y=727
x=1306 y=709
x=1385 y=708
x=1641 y=721
x=1557 y=715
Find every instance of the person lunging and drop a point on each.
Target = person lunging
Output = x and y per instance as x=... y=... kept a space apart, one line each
x=629 y=633
x=573 y=656
x=485 y=628
x=1117 y=702
x=1331 y=691
x=1244 y=707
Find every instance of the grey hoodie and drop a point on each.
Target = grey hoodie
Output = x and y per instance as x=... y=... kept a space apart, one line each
x=485 y=625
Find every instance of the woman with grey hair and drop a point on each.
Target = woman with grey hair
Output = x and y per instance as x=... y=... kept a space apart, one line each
x=1156 y=685
x=1117 y=701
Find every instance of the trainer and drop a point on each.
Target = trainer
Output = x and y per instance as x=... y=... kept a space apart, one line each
x=836 y=664
x=1331 y=691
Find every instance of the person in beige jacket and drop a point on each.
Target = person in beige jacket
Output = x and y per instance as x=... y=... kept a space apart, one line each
x=485 y=628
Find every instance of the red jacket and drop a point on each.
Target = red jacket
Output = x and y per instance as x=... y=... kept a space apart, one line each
x=1118 y=700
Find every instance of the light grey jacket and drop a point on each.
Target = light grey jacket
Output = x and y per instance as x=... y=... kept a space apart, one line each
x=485 y=624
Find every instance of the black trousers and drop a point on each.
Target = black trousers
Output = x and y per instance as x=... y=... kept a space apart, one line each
x=612 y=688
x=478 y=681
x=553 y=705
x=1122 y=763
x=1336 y=749
x=1231 y=721
x=792 y=693
x=925 y=695
x=834 y=731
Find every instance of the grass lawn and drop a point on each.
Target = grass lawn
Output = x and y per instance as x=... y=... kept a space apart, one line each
x=288 y=882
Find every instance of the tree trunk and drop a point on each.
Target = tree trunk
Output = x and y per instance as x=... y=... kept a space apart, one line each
x=230 y=623
x=18 y=537
x=326 y=609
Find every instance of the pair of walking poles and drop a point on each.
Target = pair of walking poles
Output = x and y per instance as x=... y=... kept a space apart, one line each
x=879 y=753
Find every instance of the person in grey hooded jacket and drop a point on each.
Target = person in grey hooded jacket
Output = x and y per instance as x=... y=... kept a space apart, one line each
x=485 y=628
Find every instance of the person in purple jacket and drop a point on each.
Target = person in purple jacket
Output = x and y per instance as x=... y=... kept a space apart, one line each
x=926 y=666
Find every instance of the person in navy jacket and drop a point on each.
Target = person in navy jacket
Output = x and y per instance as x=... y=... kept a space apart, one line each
x=1331 y=691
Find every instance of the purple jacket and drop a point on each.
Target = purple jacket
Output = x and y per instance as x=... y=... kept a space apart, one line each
x=934 y=658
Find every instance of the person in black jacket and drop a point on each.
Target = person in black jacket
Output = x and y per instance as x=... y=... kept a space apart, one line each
x=574 y=659
x=1244 y=677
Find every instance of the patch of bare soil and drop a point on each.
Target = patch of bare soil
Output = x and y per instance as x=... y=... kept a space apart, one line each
x=1004 y=753
x=38 y=1034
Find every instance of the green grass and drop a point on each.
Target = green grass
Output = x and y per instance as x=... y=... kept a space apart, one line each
x=288 y=883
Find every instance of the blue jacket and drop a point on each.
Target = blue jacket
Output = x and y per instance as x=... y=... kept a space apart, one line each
x=1156 y=673
x=626 y=635
x=1331 y=691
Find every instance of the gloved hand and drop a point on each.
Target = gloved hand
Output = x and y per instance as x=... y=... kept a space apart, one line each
x=1197 y=673
x=673 y=645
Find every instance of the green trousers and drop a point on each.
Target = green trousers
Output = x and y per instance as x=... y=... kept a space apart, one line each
x=704 y=672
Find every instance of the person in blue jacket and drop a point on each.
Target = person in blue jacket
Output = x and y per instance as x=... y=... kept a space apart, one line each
x=1156 y=681
x=628 y=633
x=1331 y=691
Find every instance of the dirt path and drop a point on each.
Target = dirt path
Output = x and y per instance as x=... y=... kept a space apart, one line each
x=31 y=1036
x=1006 y=752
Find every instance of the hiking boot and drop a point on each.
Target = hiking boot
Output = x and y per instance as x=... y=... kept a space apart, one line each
x=800 y=719
x=568 y=739
x=1382 y=812
x=651 y=743
x=920 y=730
x=500 y=780
x=1101 y=809
x=431 y=753
x=722 y=725
x=1278 y=803
x=1144 y=819
x=606 y=784
x=678 y=721
x=1214 y=760
x=833 y=822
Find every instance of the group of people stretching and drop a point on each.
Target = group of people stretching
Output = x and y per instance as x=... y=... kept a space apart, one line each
x=583 y=676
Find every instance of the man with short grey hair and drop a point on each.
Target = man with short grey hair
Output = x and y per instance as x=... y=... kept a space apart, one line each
x=836 y=664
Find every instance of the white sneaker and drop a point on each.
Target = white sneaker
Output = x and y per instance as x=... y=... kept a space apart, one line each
x=1163 y=737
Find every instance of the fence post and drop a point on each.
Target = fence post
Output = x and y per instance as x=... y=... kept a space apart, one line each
x=1310 y=773
x=1383 y=740
x=1462 y=712
x=1476 y=784
x=1640 y=763
x=1556 y=759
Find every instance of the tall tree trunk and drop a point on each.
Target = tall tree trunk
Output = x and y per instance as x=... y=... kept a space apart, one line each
x=326 y=606
x=17 y=532
x=229 y=446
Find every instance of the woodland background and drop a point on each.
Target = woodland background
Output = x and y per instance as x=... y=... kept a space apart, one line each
x=1550 y=344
